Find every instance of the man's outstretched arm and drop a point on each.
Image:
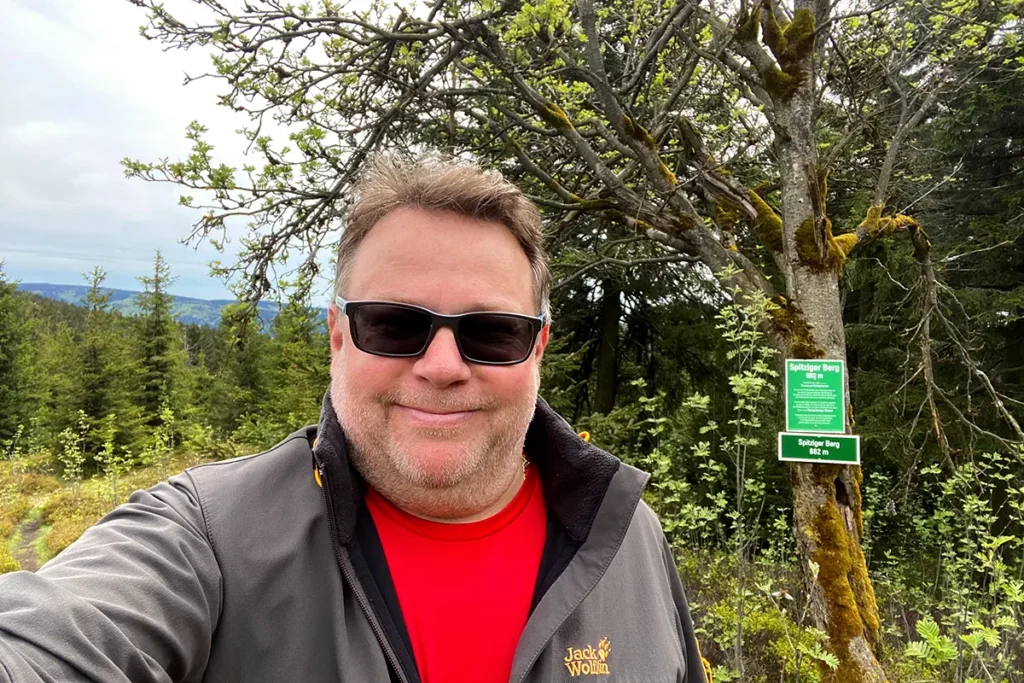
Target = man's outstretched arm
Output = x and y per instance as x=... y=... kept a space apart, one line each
x=136 y=598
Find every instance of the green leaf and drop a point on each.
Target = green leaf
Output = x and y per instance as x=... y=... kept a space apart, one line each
x=928 y=629
x=917 y=649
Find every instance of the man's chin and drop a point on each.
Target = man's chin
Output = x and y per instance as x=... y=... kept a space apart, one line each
x=436 y=464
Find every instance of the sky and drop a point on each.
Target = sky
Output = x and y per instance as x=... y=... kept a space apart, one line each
x=84 y=90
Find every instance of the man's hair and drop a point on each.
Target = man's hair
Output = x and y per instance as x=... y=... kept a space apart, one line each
x=390 y=182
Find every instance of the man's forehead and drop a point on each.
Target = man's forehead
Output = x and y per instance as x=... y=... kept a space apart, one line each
x=445 y=262
x=498 y=302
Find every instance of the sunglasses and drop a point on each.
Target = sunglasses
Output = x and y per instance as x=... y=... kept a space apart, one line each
x=382 y=328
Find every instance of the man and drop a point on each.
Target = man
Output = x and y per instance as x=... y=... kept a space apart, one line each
x=440 y=524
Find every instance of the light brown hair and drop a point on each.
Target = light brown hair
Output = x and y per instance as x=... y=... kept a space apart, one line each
x=390 y=182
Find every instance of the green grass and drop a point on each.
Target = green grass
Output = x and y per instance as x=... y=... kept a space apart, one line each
x=13 y=542
x=9 y=550
x=43 y=554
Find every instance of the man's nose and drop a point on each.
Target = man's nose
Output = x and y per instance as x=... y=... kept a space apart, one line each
x=442 y=364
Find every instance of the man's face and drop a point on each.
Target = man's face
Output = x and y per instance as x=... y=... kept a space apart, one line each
x=435 y=430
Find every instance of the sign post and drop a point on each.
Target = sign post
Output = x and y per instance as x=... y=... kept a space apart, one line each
x=815 y=414
x=825 y=448
x=815 y=396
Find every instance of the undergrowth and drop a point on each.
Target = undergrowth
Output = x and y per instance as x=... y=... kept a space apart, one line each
x=66 y=511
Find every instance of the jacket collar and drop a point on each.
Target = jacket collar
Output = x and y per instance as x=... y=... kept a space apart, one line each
x=574 y=474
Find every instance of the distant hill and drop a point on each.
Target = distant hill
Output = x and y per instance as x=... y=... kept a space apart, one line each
x=185 y=309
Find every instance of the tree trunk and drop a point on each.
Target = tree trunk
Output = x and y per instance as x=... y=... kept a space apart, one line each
x=608 y=345
x=827 y=498
x=827 y=505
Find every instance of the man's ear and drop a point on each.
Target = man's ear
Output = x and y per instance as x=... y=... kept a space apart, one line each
x=335 y=328
x=542 y=342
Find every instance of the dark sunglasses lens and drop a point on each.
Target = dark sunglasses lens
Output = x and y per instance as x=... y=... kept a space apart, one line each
x=496 y=338
x=389 y=329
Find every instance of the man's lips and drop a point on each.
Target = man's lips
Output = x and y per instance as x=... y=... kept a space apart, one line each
x=435 y=417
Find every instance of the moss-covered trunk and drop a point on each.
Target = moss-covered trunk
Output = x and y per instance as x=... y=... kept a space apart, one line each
x=827 y=505
x=829 y=527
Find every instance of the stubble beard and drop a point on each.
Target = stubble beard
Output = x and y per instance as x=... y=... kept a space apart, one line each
x=464 y=486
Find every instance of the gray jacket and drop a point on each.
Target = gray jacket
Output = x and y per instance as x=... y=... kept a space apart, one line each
x=245 y=570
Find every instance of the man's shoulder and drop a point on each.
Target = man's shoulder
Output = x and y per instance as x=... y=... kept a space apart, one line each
x=248 y=478
x=255 y=502
x=647 y=526
x=645 y=534
x=644 y=518
x=283 y=453
x=645 y=515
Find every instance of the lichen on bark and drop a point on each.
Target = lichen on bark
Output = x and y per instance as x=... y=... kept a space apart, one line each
x=749 y=26
x=792 y=42
x=556 y=116
x=642 y=135
x=846 y=242
x=845 y=589
x=863 y=591
x=780 y=83
x=684 y=223
x=727 y=214
x=638 y=132
x=667 y=174
x=876 y=225
x=768 y=226
x=790 y=322
x=810 y=255
x=789 y=41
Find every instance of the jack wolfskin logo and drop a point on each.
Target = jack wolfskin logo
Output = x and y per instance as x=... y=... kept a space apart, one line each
x=588 y=661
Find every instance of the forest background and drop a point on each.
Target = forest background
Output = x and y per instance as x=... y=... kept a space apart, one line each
x=723 y=186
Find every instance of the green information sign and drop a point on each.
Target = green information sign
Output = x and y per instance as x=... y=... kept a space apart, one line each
x=815 y=396
x=827 y=448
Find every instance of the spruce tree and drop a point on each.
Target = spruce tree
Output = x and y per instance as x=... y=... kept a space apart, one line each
x=57 y=382
x=95 y=352
x=157 y=331
x=301 y=362
x=106 y=368
x=14 y=350
x=243 y=369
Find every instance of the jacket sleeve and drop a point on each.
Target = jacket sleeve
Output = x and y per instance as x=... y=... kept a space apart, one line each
x=696 y=668
x=136 y=598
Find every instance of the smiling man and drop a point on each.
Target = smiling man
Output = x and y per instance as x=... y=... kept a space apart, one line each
x=438 y=434
x=441 y=524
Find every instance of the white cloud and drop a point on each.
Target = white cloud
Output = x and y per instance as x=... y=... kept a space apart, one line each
x=34 y=133
x=84 y=91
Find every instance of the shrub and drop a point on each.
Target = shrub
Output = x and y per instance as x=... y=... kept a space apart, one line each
x=37 y=462
x=7 y=563
x=65 y=531
x=69 y=513
x=32 y=484
x=778 y=644
x=13 y=507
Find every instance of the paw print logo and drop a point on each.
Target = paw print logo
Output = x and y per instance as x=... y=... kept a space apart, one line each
x=604 y=649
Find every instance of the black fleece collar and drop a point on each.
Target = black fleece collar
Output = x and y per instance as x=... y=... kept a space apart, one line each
x=574 y=475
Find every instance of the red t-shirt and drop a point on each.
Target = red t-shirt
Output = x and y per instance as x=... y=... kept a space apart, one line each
x=465 y=589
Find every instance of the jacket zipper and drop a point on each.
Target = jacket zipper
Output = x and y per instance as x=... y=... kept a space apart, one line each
x=346 y=574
